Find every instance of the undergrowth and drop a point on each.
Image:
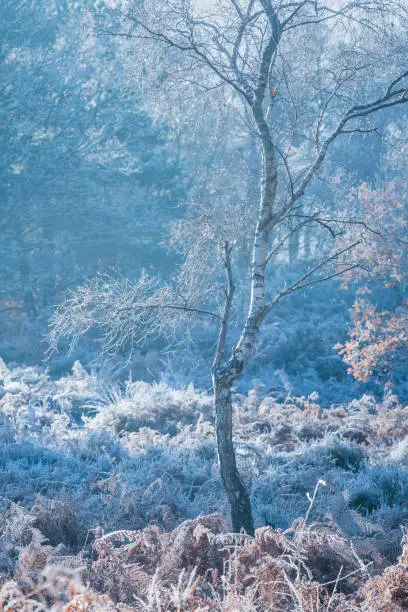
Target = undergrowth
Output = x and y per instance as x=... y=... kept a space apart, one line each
x=111 y=498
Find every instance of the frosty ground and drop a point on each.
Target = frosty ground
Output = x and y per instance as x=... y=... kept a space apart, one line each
x=111 y=497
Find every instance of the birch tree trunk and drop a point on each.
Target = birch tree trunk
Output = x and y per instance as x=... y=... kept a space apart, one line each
x=238 y=496
x=294 y=244
x=224 y=377
x=28 y=297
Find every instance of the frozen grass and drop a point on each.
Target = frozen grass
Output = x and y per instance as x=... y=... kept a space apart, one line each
x=112 y=497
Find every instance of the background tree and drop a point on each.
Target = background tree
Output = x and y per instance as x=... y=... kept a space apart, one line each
x=300 y=74
x=81 y=161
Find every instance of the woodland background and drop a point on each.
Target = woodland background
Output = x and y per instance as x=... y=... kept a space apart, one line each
x=95 y=172
x=110 y=490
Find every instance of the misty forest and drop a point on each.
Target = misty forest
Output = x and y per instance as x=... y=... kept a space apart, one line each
x=204 y=305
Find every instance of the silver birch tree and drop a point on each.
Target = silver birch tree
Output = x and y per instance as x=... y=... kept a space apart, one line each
x=302 y=74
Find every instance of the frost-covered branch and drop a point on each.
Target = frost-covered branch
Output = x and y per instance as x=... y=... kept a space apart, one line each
x=307 y=279
x=127 y=313
x=229 y=296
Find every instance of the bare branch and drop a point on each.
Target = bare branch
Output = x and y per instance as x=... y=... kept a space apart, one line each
x=302 y=282
x=277 y=248
x=340 y=221
x=391 y=98
x=227 y=309
x=146 y=306
x=126 y=312
x=191 y=46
